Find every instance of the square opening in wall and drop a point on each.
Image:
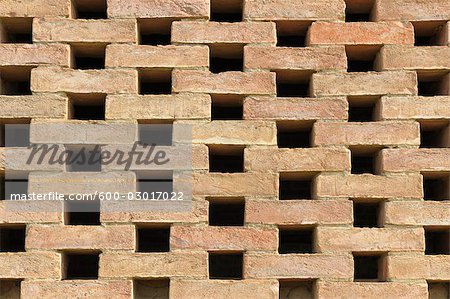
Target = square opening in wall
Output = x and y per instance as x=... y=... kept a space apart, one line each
x=358 y=10
x=226 y=212
x=10 y=288
x=369 y=267
x=226 y=58
x=82 y=212
x=226 y=10
x=367 y=214
x=295 y=240
x=16 y=30
x=293 y=83
x=436 y=187
x=434 y=134
x=433 y=84
x=437 y=241
x=225 y=265
x=155 y=82
x=429 y=33
x=290 y=289
x=361 y=58
x=438 y=289
x=155 y=184
x=158 y=133
x=226 y=159
x=83 y=158
x=292 y=187
x=15 y=133
x=155 y=32
x=88 y=56
x=12 y=238
x=294 y=134
x=226 y=107
x=364 y=161
x=151 y=288
x=89 y=9
x=153 y=239
x=87 y=106
x=362 y=109
x=81 y=265
x=292 y=33
x=15 y=81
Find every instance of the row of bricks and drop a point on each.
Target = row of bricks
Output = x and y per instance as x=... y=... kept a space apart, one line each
x=114 y=81
x=252 y=133
x=390 y=57
x=193 y=288
x=319 y=33
x=198 y=106
x=258 y=184
x=270 y=212
x=47 y=265
x=253 y=9
x=189 y=237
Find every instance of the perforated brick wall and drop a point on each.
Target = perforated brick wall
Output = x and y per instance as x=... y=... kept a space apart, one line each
x=321 y=146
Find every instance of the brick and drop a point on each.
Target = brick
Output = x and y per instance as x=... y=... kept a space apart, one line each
x=157 y=56
x=372 y=290
x=400 y=267
x=411 y=10
x=34 y=8
x=80 y=132
x=158 y=9
x=220 y=132
x=369 y=186
x=300 y=159
x=300 y=59
x=417 y=213
x=47 y=237
x=18 y=159
x=192 y=289
x=414 y=58
x=35 y=106
x=270 y=108
x=294 y=10
x=369 y=239
x=424 y=159
x=34 y=265
x=127 y=265
x=375 y=133
x=221 y=33
x=238 y=184
x=34 y=55
x=30 y=212
x=86 y=31
x=97 y=289
x=298 y=212
x=83 y=81
x=356 y=84
x=223 y=238
x=437 y=107
x=224 y=83
x=361 y=33
x=308 y=266
x=163 y=107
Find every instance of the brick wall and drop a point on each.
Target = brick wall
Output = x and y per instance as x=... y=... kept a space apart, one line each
x=321 y=146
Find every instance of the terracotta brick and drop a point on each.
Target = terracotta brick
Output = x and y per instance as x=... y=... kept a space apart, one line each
x=369 y=186
x=309 y=266
x=87 y=31
x=221 y=33
x=375 y=133
x=424 y=159
x=301 y=159
x=192 y=289
x=417 y=213
x=30 y=212
x=361 y=33
x=356 y=84
x=224 y=83
x=30 y=265
x=415 y=107
x=414 y=58
x=45 y=237
x=400 y=267
x=83 y=81
x=369 y=239
x=294 y=10
x=410 y=10
x=122 y=289
x=35 y=8
x=158 y=9
x=33 y=55
x=260 y=107
x=36 y=106
x=223 y=238
x=298 y=212
x=129 y=265
x=157 y=56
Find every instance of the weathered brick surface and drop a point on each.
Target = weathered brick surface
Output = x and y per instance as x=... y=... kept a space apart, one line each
x=292 y=102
